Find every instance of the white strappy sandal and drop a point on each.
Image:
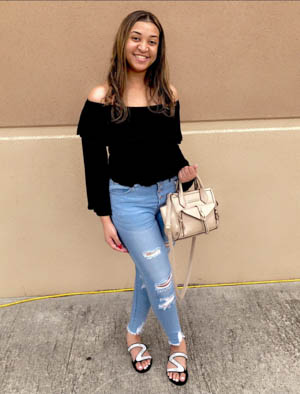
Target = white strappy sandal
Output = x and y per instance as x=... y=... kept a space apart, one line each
x=179 y=368
x=140 y=357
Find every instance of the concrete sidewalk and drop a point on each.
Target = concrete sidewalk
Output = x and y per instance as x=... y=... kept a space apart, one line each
x=241 y=339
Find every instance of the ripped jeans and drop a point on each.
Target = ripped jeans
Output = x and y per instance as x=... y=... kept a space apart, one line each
x=137 y=219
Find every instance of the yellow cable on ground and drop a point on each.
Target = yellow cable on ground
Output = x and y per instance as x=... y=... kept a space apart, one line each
x=131 y=289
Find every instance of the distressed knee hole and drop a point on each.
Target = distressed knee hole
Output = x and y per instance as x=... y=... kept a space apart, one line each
x=166 y=302
x=152 y=253
x=165 y=284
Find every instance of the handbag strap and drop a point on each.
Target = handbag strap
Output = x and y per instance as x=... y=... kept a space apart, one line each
x=187 y=278
x=169 y=234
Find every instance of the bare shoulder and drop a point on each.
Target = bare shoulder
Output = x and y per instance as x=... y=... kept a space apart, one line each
x=98 y=93
x=175 y=92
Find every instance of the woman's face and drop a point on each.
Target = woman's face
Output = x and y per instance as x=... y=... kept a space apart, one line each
x=143 y=40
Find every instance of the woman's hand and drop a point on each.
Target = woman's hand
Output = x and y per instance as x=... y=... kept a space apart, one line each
x=188 y=173
x=111 y=236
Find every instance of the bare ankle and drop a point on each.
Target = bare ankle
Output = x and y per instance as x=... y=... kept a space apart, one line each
x=133 y=336
x=180 y=346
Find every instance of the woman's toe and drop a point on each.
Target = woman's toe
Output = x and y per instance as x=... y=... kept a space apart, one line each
x=175 y=377
x=182 y=377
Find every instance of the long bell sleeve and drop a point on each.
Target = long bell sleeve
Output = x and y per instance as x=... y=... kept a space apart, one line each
x=184 y=162
x=91 y=128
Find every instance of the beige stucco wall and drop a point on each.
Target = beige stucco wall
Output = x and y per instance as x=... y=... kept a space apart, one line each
x=235 y=65
x=228 y=59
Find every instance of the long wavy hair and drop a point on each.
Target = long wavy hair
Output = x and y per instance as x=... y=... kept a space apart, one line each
x=156 y=78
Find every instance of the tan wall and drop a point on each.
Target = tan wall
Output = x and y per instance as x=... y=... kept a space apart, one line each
x=228 y=60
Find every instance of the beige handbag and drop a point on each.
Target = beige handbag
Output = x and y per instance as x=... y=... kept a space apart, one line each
x=188 y=214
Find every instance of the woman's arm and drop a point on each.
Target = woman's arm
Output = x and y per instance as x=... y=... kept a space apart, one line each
x=91 y=128
x=187 y=174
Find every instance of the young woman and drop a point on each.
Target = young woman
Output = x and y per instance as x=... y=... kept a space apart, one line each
x=136 y=114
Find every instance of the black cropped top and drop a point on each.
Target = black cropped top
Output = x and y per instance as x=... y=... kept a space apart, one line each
x=143 y=149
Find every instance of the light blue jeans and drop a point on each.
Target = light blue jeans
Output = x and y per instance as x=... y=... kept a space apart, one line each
x=137 y=219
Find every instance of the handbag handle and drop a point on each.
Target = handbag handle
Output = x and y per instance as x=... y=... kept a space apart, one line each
x=198 y=185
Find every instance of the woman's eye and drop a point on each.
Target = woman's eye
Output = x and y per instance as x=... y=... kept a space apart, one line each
x=137 y=38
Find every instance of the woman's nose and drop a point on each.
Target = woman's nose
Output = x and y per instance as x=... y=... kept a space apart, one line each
x=143 y=47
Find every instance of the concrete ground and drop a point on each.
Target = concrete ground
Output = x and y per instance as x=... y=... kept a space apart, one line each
x=241 y=339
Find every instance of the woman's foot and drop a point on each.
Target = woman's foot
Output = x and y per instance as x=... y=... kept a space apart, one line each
x=132 y=338
x=178 y=376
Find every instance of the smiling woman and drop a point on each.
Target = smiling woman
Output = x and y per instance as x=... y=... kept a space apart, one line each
x=142 y=46
x=136 y=114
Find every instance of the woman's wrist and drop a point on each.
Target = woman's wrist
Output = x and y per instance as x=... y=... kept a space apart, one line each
x=105 y=219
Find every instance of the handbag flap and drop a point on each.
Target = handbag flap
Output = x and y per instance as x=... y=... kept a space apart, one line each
x=192 y=199
x=199 y=211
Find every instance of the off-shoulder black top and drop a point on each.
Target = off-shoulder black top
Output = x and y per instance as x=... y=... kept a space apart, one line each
x=143 y=149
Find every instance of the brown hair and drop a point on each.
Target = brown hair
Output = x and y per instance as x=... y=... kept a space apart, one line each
x=156 y=77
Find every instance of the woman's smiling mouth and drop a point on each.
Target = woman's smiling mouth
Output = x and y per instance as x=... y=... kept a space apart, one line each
x=141 y=58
